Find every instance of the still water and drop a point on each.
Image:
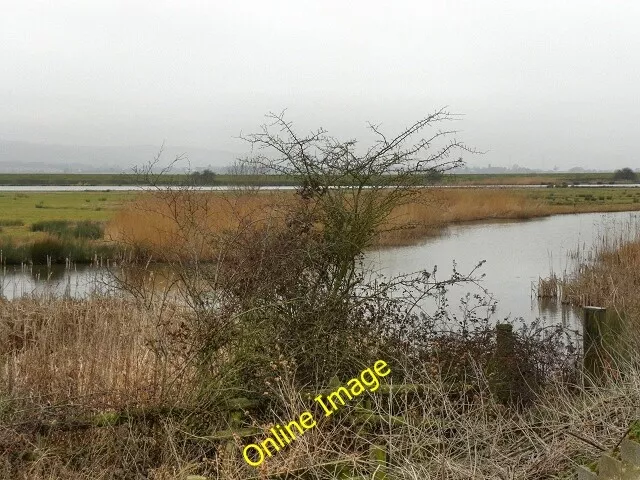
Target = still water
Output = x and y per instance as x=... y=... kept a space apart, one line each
x=517 y=254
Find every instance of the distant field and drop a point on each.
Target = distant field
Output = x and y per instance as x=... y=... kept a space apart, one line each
x=19 y=210
x=112 y=179
x=19 y=179
x=583 y=197
x=527 y=179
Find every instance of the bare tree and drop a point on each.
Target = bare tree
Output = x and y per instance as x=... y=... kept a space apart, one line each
x=351 y=192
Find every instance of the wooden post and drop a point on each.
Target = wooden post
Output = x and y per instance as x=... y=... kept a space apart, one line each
x=593 y=341
x=378 y=455
x=505 y=368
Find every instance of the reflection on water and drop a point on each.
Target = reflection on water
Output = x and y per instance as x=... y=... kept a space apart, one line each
x=40 y=280
x=517 y=254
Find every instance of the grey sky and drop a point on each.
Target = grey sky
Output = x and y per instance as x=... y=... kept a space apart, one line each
x=541 y=83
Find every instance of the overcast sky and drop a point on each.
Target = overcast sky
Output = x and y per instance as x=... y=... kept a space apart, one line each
x=541 y=83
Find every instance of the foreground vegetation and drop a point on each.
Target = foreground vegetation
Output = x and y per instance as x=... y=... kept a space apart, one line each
x=98 y=389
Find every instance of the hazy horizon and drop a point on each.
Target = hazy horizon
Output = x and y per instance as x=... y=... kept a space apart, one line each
x=539 y=84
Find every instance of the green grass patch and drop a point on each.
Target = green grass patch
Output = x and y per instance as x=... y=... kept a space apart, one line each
x=65 y=214
x=56 y=227
x=63 y=228
x=575 y=196
x=6 y=222
x=88 y=229
x=54 y=250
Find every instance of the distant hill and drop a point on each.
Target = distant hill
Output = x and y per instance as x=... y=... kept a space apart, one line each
x=24 y=157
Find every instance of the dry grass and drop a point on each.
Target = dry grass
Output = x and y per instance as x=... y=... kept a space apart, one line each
x=66 y=359
x=434 y=209
x=150 y=220
x=62 y=358
x=155 y=221
x=107 y=352
x=548 y=287
x=610 y=279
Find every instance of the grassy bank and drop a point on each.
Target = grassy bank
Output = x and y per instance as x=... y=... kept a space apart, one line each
x=56 y=226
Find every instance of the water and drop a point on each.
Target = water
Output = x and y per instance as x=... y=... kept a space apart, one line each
x=517 y=254
x=39 y=280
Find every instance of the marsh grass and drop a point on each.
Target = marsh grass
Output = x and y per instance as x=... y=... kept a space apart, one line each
x=65 y=229
x=56 y=227
x=431 y=210
x=148 y=221
x=100 y=350
x=549 y=287
x=605 y=275
x=54 y=250
x=11 y=222
x=107 y=388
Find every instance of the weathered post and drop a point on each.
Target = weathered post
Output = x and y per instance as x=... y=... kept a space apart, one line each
x=505 y=368
x=593 y=345
x=379 y=457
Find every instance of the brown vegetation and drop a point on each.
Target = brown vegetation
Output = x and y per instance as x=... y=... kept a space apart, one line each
x=107 y=352
x=149 y=221
x=106 y=388
x=173 y=376
x=72 y=369
x=610 y=279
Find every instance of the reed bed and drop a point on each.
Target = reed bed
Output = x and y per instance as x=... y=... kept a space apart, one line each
x=105 y=351
x=149 y=220
x=190 y=221
x=610 y=280
x=605 y=275
x=549 y=287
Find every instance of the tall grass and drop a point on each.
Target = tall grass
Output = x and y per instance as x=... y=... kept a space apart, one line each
x=67 y=229
x=4 y=222
x=64 y=363
x=606 y=275
x=149 y=221
x=104 y=352
x=54 y=250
